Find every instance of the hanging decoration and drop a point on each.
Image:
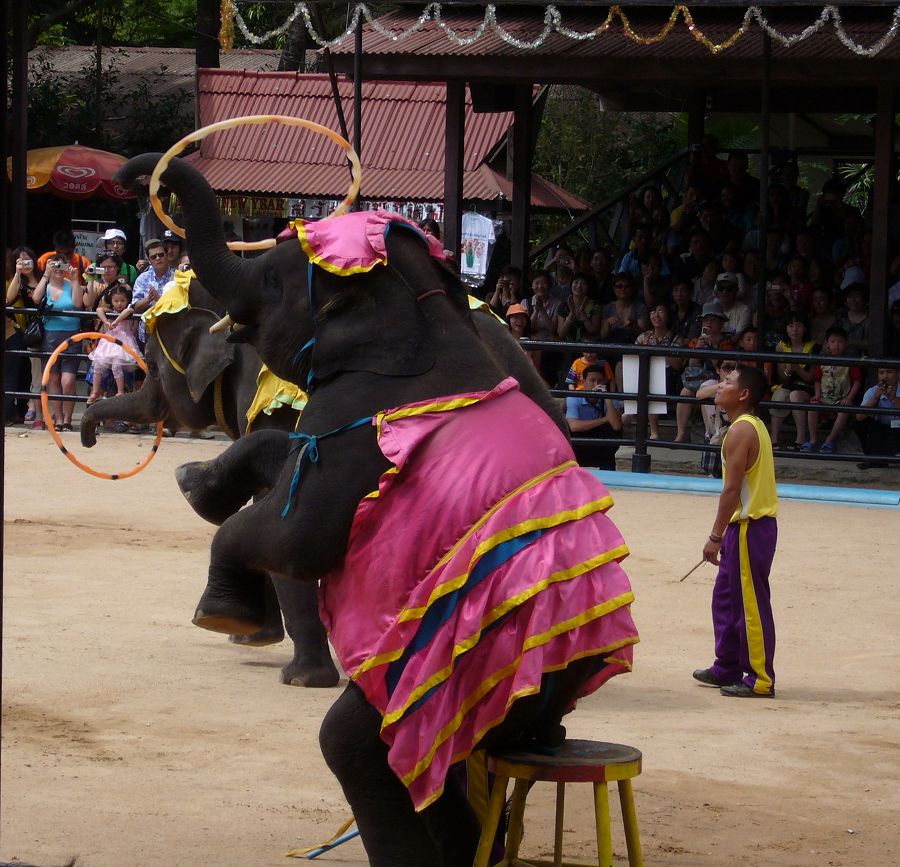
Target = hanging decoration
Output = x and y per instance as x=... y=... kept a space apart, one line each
x=226 y=29
x=553 y=23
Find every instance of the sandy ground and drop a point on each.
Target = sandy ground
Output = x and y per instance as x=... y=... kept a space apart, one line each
x=132 y=738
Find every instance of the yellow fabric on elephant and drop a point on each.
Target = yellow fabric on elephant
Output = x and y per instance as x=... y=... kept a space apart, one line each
x=173 y=300
x=273 y=393
x=484 y=307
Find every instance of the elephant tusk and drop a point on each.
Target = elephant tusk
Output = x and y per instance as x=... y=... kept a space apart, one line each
x=223 y=324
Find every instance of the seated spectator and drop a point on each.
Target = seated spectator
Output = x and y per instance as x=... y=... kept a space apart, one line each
x=624 y=318
x=662 y=236
x=750 y=272
x=705 y=283
x=562 y=282
x=655 y=286
x=820 y=276
x=507 y=291
x=737 y=314
x=721 y=237
x=854 y=319
x=64 y=248
x=880 y=434
x=848 y=247
x=542 y=308
x=732 y=270
x=835 y=385
x=114 y=241
x=799 y=288
x=701 y=370
x=705 y=168
x=429 y=226
x=575 y=376
x=661 y=334
x=591 y=415
x=777 y=312
x=563 y=258
x=795 y=380
x=691 y=264
x=738 y=219
x=632 y=262
x=686 y=313
x=583 y=260
x=797 y=195
x=746 y=187
x=823 y=315
x=684 y=219
x=578 y=317
x=601 y=271
x=520 y=328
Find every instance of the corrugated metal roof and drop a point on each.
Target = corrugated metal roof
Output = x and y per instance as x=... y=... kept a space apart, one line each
x=402 y=149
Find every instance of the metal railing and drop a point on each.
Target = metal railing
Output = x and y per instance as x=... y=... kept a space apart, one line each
x=641 y=442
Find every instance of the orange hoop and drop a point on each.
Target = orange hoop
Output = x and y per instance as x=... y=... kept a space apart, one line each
x=48 y=416
x=203 y=132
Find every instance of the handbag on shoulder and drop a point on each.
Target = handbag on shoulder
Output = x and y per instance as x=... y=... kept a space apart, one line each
x=34 y=332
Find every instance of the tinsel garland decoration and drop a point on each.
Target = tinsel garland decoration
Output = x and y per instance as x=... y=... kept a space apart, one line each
x=226 y=28
x=553 y=23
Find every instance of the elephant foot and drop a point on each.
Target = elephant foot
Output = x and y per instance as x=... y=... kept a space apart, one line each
x=312 y=674
x=232 y=607
x=208 y=497
x=264 y=637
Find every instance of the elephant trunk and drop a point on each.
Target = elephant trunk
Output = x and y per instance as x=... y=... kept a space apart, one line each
x=225 y=275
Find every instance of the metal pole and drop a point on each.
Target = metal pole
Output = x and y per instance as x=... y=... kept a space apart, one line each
x=885 y=132
x=764 y=123
x=454 y=146
x=640 y=460
x=357 y=94
x=19 y=122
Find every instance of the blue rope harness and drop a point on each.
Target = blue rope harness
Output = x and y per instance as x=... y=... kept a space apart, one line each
x=308 y=444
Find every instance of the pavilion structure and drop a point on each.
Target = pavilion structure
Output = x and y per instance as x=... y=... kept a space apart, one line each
x=648 y=56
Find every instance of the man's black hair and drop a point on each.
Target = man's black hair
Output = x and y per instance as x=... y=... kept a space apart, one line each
x=755 y=381
x=63 y=238
x=594 y=368
x=836 y=329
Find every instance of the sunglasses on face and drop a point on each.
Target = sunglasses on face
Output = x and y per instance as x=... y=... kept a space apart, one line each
x=157 y=256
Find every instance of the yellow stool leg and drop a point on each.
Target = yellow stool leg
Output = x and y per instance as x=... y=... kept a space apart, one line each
x=516 y=829
x=601 y=812
x=558 y=831
x=629 y=817
x=491 y=820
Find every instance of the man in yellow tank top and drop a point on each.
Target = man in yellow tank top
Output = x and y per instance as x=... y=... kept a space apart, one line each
x=742 y=544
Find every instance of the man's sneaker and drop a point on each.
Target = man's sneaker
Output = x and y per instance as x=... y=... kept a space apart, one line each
x=741 y=690
x=707 y=678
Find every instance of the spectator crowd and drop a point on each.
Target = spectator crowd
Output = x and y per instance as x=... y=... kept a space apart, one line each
x=61 y=284
x=688 y=273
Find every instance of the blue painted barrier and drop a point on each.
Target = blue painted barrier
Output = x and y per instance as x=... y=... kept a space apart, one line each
x=786 y=491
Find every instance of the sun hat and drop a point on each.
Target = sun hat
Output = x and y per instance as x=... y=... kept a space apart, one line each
x=713 y=308
x=516 y=308
x=112 y=234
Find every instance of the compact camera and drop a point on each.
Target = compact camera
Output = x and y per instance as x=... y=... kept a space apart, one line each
x=95 y=270
x=27 y=263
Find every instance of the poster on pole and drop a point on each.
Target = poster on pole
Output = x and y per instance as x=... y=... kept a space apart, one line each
x=657 y=382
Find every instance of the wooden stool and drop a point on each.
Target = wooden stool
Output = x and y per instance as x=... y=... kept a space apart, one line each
x=576 y=761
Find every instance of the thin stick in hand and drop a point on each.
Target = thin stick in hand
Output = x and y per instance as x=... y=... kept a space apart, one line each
x=692 y=571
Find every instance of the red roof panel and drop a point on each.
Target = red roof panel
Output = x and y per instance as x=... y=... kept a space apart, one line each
x=402 y=142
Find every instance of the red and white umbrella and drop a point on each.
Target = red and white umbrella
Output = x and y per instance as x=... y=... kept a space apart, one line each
x=73 y=172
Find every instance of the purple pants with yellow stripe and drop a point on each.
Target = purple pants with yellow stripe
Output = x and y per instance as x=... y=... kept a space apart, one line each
x=742 y=607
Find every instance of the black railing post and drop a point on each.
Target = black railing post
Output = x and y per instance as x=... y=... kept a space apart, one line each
x=640 y=460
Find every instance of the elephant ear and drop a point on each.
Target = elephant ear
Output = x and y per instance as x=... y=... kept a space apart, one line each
x=202 y=355
x=373 y=322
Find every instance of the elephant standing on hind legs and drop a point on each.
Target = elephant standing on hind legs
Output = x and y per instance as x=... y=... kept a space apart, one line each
x=469 y=577
x=196 y=379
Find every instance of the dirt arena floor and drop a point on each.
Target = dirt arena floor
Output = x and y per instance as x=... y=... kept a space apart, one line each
x=131 y=737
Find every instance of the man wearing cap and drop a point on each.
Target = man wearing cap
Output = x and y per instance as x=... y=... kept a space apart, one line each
x=174 y=248
x=737 y=314
x=114 y=242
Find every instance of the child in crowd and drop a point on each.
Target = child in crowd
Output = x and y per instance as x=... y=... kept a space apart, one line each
x=835 y=385
x=591 y=415
x=109 y=356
